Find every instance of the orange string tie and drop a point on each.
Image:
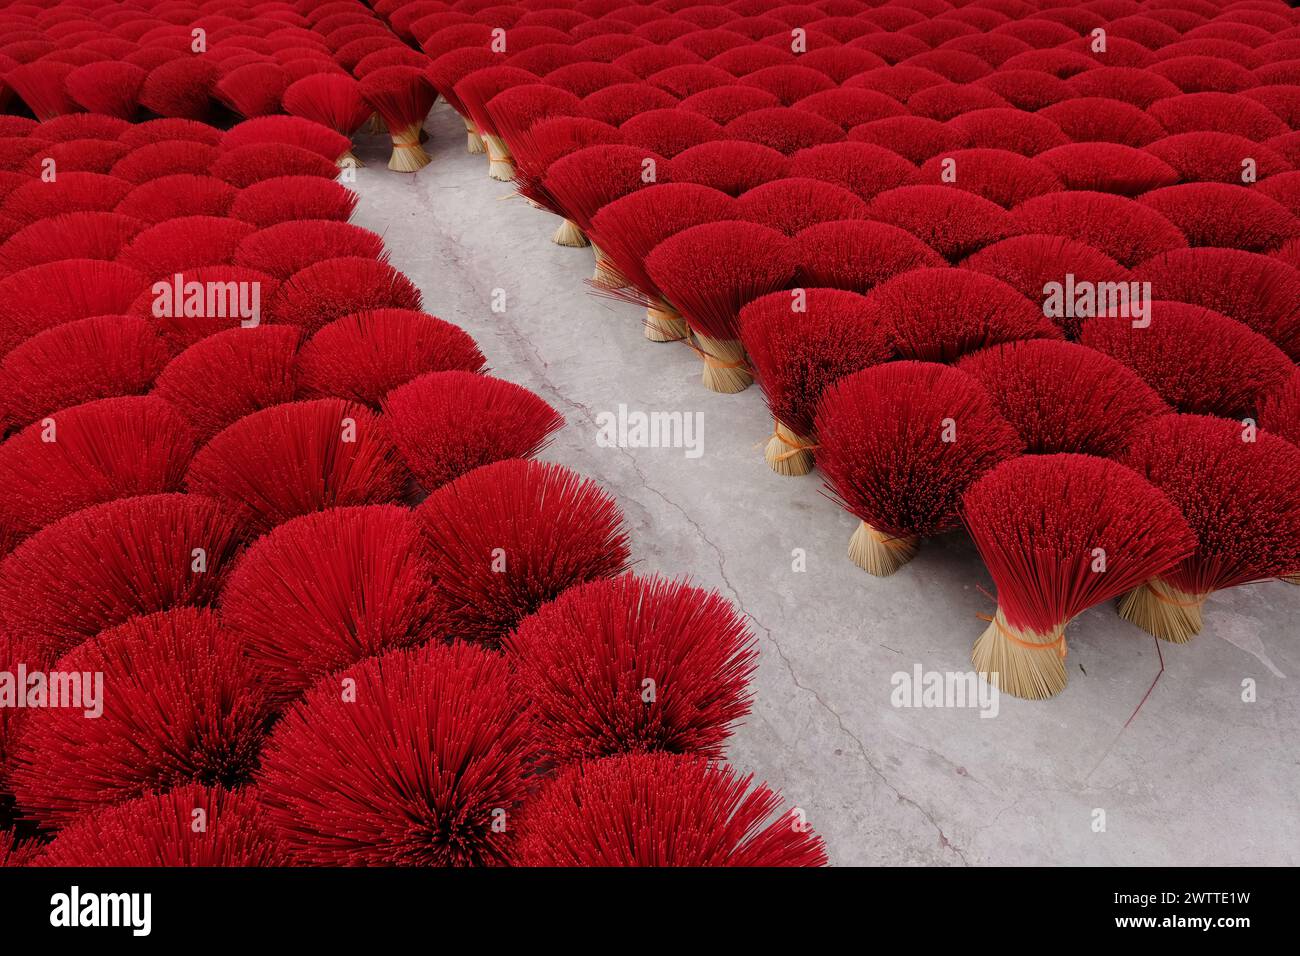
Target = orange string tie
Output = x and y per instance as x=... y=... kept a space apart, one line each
x=1059 y=643
x=712 y=360
x=794 y=446
x=1197 y=602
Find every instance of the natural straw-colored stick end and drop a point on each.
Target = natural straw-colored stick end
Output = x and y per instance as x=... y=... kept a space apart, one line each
x=880 y=554
x=1024 y=664
x=725 y=371
x=788 y=453
x=1164 y=611
x=568 y=234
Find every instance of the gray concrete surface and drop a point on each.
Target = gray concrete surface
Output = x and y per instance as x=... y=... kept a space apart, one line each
x=1199 y=776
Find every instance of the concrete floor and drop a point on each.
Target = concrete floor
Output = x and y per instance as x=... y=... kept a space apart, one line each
x=1199 y=776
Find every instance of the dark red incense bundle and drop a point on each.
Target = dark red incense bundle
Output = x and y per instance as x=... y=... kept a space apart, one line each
x=998 y=175
x=436 y=747
x=711 y=42
x=799 y=343
x=474 y=92
x=165 y=158
x=289 y=247
x=182 y=194
x=790 y=82
x=255 y=162
x=101 y=566
x=181 y=88
x=510 y=536
x=17 y=852
x=1092 y=119
x=107 y=87
x=326 y=590
x=333 y=100
x=1141 y=88
x=952 y=222
x=70 y=192
x=100 y=357
x=634 y=665
x=661 y=810
x=861 y=168
x=445 y=424
x=914 y=138
x=389 y=56
x=544 y=58
x=73 y=235
x=1028 y=90
x=730 y=166
x=1280 y=412
x=88 y=454
x=1236 y=488
x=859 y=254
x=448 y=69
x=201 y=301
x=708 y=273
x=363 y=356
x=515 y=111
x=184 y=706
x=939 y=315
x=1026 y=134
x=1229 y=216
x=40 y=297
x=158 y=830
x=1199 y=361
x=176 y=245
x=947 y=101
x=1216 y=112
x=226 y=376
x=41 y=86
x=333 y=288
x=1258 y=290
x=1216 y=157
x=402 y=96
x=1059 y=272
x=78 y=155
x=619 y=103
x=688 y=79
x=169 y=130
x=1060 y=534
x=627 y=229
x=287 y=198
x=899 y=444
x=668 y=132
x=785 y=129
x=1063 y=397
x=722 y=104
x=292 y=459
x=1125 y=230
x=648 y=60
x=253 y=89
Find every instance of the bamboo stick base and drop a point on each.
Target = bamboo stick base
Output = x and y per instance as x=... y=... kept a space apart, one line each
x=724 y=365
x=663 y=323
x=878 y=553
x=473 y=141
x=408 y=155
x=1022 y=663
x=501 y=166
x=787 y=453
x=1291 y=578
x=568 y=234
x=349 y=160
x=1161 y=609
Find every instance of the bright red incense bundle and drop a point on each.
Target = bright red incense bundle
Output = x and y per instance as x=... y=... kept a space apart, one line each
x=166 y=158
x=1059 y=534
x=332 y=288
x=184 y=243
x=449 y=68
x=899 y=445
x=326 y=590
x=662 y=810
x=181 y=88
x=799 y=343
x=107 y=87
x=40 y=297
x=70 y=192
x=286 y=248
x=792 y=205
x=292 y=459
x=1236 y=488
x=474 y=92
x=508 y=537
x=997 y=175
x=182 y=194
x=708 y=273
x=859 y=254
x=228 y=375
x=286 y=198
x=722 y=104
x=402 y=96
x=1063 y=397
x=158 y=830
x=293 y=130
x=861 y=168
x=253 y=89
x=1125 y=230
x=633 y=665
x=72 y=235
x=952 y=222
x=101 y=566
x=436 y=747
x=176 y=703
x=785 y=129
x=446 y=424
x=246 y=165
x=729 y=166
x=333 y=100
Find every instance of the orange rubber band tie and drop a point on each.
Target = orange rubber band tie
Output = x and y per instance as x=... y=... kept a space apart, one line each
x=712 y=360
x=794 y=447
x=1164 y=598
x=1059 y=643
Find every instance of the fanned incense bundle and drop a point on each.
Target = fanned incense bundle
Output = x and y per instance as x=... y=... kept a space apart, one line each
x=661 y=810
x=899 y=445
x=1059 y=534
x=799 y=343
x=475 y=91
x=450 y=68
x=402 y=96
x=545 y=143
x=708 y=273
x=287 y=248
x=1237 y=490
